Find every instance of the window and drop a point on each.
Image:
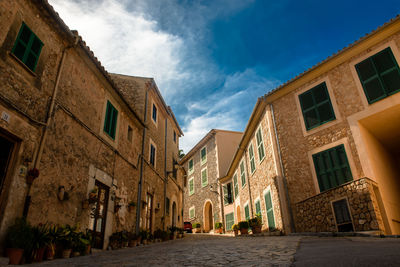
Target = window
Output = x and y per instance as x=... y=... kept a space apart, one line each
x=316 y=106
x=260 y=145
x=130 y=132
x=110 y=121
x=342 y=216
x=204 y=177
x=203 y=154
x=247 y=212
x=251 y=156
x=228 y=194
x=191 y=213
x=191 y=186
x=174 y=137
x=332 y=168
x=167 y=205
x=27 y=47
x=154 y=113
x=258 y=207
x=229 y=221
x=235 y=185
x=190 y=166
x=270 y=210
x=152 y=154
x=242 y=173
x=379 y=75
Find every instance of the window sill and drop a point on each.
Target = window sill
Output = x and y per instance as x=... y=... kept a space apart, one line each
x=22 y=64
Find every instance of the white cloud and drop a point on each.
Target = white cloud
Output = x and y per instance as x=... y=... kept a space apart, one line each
x=125 y=42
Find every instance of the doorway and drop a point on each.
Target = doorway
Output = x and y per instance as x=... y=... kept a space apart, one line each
x=239 y=218
x=174 y=215
x=148 y=212
x=208 y=217
x=6 y=154
x=100 y=214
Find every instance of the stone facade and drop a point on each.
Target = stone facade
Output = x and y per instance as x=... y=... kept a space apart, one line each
x=76 y=152
x=206 y=199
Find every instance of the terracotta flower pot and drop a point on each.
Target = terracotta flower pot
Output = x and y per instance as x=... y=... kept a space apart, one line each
x=87 y=251
x=50 y=252
x=236 y=232
x=132 y=243
x=244 y=231
x=66 y=253
x=15 y=255
x=256 y=229
x=38 y=254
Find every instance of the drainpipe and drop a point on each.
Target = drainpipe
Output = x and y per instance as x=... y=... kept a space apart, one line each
x=292 y=226
x=222 y=204
x=139 y=199
x=248 y=184
x=166 y=174
x=46 y=127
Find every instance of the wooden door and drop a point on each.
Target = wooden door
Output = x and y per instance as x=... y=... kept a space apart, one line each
x=100 y=214
x=148 y=211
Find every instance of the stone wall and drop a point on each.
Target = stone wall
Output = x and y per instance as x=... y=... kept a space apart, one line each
x=315 y=214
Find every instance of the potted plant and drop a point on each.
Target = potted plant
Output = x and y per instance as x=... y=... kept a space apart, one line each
x=88 y=235
x=165 y=235
x=41 y=239
x=51 y=246
x=235 y=229
x=173 y=232
x=180 y=232
x=144 y=236
x=197 y=227
x=124 y=238
x=218 y=227
x=93 y=195
x=255 y=224
x=19 y=236
x=114 y=241
x=131 y=206
x=66 y=240
x=244 y=227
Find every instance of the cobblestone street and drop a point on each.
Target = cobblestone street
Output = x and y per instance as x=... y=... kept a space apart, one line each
x=196 y=250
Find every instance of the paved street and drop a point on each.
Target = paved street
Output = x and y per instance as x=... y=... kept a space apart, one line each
x=214 y=250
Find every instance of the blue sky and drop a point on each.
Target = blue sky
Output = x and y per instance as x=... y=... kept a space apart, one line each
x=211 y=59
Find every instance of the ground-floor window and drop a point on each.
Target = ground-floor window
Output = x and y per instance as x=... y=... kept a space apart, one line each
x=229 y=221
x=270 y=210
x=247 y=211
x=342 y=216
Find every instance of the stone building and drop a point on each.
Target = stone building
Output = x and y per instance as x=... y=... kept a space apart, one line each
x=62 y=114
x=208 y=160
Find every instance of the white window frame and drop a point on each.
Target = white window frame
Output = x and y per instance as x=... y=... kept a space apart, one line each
x=190 y=171
x=234 y=186
x=194 y=212
x=205 y=160
x=155 y=153
x=244 y=173
x=191 y=192
x=153 y=104
x=250 y=158
x=201 y=175
x=260 y=144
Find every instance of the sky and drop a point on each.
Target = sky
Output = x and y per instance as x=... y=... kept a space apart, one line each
x=212 y=59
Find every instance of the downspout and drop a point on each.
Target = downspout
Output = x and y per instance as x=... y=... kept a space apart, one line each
x=222 y=205
x=166 y=174
x=248 y=184
x=47 y=125
x=292 y=226
x=139 y=199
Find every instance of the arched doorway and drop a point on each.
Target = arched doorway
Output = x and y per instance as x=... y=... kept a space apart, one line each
x=174 y=214
x=208 y=217
x=238 y=214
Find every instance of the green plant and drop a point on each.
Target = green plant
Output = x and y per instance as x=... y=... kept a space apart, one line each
x=218 y=225
x=235 y=227
x=19 y=235
x=197 y=225
x=41 y=236
x=173 y=229
x=67 y=236
x=256 y=221
x=243 y=225
x=158 y=234
x=144 y=234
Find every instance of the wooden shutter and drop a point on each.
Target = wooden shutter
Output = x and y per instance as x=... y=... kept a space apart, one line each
x=247 y=212
x=270 y=210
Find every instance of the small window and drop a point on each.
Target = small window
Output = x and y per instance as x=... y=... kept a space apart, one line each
x=191 y=213
x=260 y=145
x=110 y=121
x=235 y=185
x=204 y=177
x=316 y=106
x=203 y=154
x=174 y=137
x=152 y=155
x=154 y=113
x=332 y=168
x=191 y=186
x=251 y=156
x=190 y=166
x=130 y=133
x=27 y=47
x=342 y=215
x=242 y=173
x=167 y=205
x=229 y=221
x=228 y=199
x=379 y=75
x=247 y=212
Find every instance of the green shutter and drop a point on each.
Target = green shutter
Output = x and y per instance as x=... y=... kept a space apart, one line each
x=258 y=209
x=316 y=106
x=235 y=184
x=251 y=155
x=27 y=47
x=226 y=199
x=260 y=144
x=379 y=75
x=242 y=174
x=204 y=179
x=110 y=121
x=229 y=221
x=190 y=165
x=270 y=210
x=247 y=212
x=203 y=153
x=332 y=168
x=191 y=186
x=191 y=213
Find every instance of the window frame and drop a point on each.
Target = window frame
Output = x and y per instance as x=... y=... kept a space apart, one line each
x=226 y=203
x=265 y=193
x=247 y=207
x=226 y=221
x=203 y=161
x=154 y=106
x=235 y=185
x=259 y=130
x=194 y=212
x=33 y=37
x=107 y=104
x=151 y=143
x=252 y=159
x=242 y=173
x=190 y=171
x=191 y=192
x=201 y=174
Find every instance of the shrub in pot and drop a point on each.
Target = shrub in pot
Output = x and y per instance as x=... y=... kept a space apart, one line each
x=244 y=227
x=255 y=224
x=218 y=227
x=53 y=234
x=41 y=239
x=132 y=239
x=144 y=236
x=235 y=229
x=197 y=227
x=173 y=232
x=18 y=238
x=66 y=240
